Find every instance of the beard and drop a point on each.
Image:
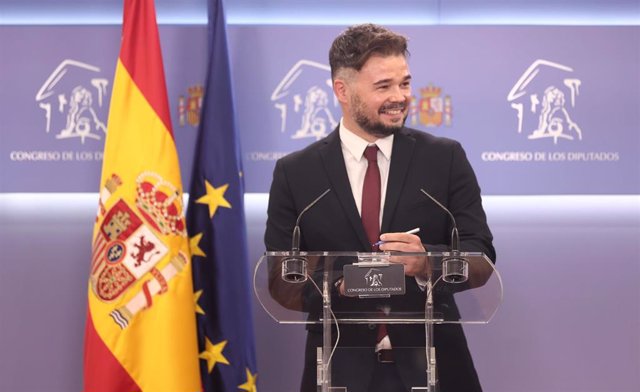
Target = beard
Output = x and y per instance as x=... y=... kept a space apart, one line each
x=375 y=127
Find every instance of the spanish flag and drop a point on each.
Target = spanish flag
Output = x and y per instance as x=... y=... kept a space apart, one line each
x=140 y=331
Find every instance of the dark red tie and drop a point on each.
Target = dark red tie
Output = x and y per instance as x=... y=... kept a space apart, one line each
x=371 y=196
x=371 y=208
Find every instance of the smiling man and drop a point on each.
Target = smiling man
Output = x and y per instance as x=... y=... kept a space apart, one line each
x=374 y=95
x=375 y=168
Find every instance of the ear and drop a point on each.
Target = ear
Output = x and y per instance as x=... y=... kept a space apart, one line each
x=341 y=90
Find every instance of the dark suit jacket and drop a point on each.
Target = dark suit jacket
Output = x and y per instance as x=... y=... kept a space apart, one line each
x=418 y=160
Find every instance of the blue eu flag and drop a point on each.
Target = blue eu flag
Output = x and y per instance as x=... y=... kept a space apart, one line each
x=216 y=226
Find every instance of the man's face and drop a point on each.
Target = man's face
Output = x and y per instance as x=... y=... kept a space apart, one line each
x=378 y=98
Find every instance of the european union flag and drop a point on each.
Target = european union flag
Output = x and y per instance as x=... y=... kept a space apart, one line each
x=217 y=237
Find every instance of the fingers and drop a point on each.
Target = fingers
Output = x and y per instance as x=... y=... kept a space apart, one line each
x=404 y=242
x=401 y=242
x=399 y=237
x=401 y=247
x=413 y=266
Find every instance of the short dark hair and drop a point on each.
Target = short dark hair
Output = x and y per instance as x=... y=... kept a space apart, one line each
x=354 y=46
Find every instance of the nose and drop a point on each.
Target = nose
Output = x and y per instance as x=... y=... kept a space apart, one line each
x=396 y=96
x=399 y=94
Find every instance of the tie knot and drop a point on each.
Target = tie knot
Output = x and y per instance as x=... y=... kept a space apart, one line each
x=371 y=153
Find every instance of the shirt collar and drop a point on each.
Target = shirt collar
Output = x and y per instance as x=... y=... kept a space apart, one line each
x=356 y=145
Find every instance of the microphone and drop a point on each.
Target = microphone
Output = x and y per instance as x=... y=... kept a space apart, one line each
x=455 y=268
x=294 y=267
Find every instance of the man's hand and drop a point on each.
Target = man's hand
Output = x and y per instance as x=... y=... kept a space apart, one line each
x=404 y=242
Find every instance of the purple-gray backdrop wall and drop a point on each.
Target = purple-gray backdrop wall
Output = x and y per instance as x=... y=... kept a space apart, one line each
x=549 y=117
x=538 y=111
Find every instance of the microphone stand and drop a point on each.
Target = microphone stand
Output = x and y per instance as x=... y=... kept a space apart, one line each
x=455 y=269
x=430 y=349
x=294 y=270
x=294 y=267
x=325 y=380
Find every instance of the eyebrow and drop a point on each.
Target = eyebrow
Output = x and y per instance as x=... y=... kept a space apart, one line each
x=386 y=81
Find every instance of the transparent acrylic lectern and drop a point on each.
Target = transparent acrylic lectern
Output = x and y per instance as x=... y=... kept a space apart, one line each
x=304 y=288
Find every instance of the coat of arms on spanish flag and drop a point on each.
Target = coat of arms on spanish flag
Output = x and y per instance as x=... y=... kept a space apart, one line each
x=140 y=333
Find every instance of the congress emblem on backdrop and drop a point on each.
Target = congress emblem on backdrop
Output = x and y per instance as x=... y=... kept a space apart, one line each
x=189 y=107
x=73 y=99
x=544 y=98
x=304 y=97
x=431 y=109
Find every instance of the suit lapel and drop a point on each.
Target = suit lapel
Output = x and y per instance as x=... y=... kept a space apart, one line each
x=401 y=154
x=331 y=154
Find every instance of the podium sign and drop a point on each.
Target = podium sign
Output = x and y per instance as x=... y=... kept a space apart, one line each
x=373 y=280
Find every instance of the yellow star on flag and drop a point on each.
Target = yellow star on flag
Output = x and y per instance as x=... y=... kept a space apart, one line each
x=213 y=354
x=250 y=385
x=194 y=247
x=196 y=298
x=214 y=198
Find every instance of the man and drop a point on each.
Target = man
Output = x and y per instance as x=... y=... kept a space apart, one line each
x=372 y=82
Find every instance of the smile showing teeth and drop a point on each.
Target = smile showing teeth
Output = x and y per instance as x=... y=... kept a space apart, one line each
x=392 y=112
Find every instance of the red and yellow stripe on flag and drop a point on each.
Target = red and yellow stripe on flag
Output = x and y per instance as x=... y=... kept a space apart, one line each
x=140 y=332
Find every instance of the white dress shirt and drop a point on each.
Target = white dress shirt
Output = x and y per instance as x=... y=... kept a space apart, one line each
x=353 y=147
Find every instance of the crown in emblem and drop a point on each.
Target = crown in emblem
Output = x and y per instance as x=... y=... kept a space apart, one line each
x=113 y=183
x=430 y=91
x=160 y=203
x=196 y=91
